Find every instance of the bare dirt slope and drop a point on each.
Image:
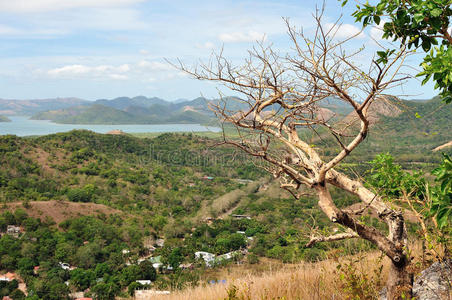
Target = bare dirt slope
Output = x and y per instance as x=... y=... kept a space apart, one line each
x=60 y=211
x=382 y=106
x=444 y=146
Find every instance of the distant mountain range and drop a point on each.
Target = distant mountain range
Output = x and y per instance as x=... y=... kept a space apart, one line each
x=137 y=110
x=30 y=107
x=153 y=110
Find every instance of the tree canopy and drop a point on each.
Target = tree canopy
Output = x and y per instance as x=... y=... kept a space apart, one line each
x=420 y=24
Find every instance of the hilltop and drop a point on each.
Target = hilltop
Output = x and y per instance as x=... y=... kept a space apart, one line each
x=30 y=107
x=137 y=110
x=409 y=130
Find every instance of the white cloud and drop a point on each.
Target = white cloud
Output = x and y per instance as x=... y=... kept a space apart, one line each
x=69 y=70
x=6 y=30
x=9 y=31
x=154 y=66
x=102 y=71
x=123 y=68
x=144 y=70
x=118 y=77
x=237 y=37
x=206 y=45
x=376 y=32
x=344 y=31
x=32 y=6
x=144 y=52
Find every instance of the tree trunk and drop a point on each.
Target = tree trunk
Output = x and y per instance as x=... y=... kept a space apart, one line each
x=394 y=245
x=400 y=281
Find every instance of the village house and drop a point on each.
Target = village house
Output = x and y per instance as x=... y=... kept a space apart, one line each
x=241 y=217
x=209 y=258
x=156 y=262
x=160 y=242
x=13 y=230
x=13 y=276
x=76 y=295
x=9 y=277
x=186 y=266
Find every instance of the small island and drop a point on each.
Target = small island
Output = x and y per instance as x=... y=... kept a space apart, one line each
x=4 y=119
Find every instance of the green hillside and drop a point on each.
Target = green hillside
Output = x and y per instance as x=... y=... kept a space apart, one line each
x=176 y=187
x=94 y=114
x=409 y=135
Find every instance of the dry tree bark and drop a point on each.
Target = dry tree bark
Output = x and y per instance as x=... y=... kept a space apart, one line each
x=282 y=96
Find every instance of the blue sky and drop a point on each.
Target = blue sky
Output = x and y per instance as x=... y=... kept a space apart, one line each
x=95 y=49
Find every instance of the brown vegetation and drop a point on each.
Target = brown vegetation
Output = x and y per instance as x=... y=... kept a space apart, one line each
x=319 y=280
x=60 y=211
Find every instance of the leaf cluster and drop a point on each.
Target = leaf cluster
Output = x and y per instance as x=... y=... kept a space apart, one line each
x=416 y=23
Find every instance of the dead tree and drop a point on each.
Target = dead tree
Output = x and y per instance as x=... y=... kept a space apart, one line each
x=281 y=98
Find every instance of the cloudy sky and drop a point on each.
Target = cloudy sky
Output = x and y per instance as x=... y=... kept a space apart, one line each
x=108 y=48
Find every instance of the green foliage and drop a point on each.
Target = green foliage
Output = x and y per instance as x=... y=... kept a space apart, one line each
x=92 y=244
x=175 y=258
x=147 y=271
x=441 y=194
x=392 y=181
x=252 y=258
x=438 y=63
x=132 y=287
x=416 y=24
x=82 y=279
x=359 y=284
x=84 y=194
x=9 y=288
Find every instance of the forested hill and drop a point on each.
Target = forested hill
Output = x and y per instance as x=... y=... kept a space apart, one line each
x=117 y=170
x=422 y=118
x=411 y=136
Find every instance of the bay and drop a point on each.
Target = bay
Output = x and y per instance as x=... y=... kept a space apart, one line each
x=23 y=126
